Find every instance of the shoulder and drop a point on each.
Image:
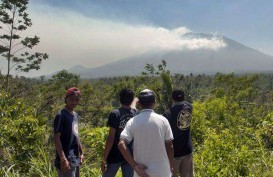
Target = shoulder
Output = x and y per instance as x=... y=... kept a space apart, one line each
x=163 y=121
x=134 y=111
x=187 y=105
x=114 y=112
x=59 y=120
x=167 y=113
x=113 y=119
x=160 y=117
x=181 y=106
x=60 y=113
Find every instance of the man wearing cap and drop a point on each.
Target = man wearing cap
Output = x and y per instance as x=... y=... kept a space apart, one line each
x=179 y=116
x=69 y=153
x=152 y=135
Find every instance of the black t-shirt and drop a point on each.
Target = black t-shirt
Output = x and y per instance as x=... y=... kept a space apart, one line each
x=117 y=120
x=67 y=124
x=179 y=117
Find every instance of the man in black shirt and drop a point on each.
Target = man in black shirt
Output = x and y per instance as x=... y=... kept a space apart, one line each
x=68 y=148
x=112 y=158
x=179 y=116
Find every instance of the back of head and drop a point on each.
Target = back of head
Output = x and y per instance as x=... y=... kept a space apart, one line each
x=178 y=95
x=126 y=96
x=146 y=98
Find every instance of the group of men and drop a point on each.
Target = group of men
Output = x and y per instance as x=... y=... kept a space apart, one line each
x=141 y=143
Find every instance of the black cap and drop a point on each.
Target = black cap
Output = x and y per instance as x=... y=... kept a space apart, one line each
x=146 y=96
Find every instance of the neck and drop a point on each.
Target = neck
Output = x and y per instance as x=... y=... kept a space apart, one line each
x=69 y=109
x=177 y=102
x=125 y=106
x=147 y=107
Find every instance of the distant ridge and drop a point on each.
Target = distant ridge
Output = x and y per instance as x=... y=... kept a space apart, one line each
x=235 y=57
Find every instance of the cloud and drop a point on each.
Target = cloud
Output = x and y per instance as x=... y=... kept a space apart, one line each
x=174 y=39
x=73 y=39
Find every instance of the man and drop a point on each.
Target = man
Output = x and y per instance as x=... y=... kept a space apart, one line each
x=179 y=116
x=69 y=153
x=152 y=135
x=112 y=158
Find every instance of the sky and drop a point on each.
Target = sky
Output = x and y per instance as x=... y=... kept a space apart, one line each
x=96 y=32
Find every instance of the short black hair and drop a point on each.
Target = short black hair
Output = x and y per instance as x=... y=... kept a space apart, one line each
x=126 y=96
x=178 y=95
x=146 y=98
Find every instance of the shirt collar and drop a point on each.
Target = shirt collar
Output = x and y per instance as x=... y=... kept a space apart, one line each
x=147 y=110
x=178 y=103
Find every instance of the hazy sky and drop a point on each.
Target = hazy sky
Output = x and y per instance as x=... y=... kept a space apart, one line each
x=95 y=32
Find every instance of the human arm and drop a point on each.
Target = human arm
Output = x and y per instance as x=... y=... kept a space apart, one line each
x=139 y=168
x=170 y=153
x=58 y=145
x=169 y=144
x=134 y=103
x=109 y=143
x=81 y=153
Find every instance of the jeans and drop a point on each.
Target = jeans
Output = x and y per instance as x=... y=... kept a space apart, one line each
x=112 y=169
x=73 y=172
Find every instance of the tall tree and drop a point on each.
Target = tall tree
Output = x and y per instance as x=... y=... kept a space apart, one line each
x=163 y=90
x=15 y=48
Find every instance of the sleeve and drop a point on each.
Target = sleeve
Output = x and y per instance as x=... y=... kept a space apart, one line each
x=58 y=124
x=113 y=120
x=136 y=112
x=167 y=114
x=127 y=134
x=168 y=131
x=189 y=107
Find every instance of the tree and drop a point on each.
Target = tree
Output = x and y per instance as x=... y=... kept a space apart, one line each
x=14 y=20
x=163 y=90
x=49 y=96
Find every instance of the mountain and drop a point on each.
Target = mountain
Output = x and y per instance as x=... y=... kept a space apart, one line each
x=76 y=69
x=235 y=57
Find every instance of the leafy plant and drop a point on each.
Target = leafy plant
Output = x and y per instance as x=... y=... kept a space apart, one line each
x=42 y=164
x=14 y=20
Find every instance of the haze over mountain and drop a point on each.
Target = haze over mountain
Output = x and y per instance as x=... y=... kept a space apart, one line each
x=232 y=57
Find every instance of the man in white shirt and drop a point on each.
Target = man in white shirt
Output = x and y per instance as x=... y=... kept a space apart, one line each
x=152 y=135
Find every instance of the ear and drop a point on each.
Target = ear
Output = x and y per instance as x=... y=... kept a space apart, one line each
x=65 y=100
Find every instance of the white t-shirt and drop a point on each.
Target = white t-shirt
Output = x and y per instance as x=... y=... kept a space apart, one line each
x=150 y=131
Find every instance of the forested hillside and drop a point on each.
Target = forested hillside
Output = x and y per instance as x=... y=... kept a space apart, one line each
x=232 y=125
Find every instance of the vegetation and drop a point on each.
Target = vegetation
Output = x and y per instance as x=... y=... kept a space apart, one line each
x=13 y=21
x=232 y=124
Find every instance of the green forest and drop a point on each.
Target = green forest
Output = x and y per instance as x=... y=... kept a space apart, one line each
x=232 y=123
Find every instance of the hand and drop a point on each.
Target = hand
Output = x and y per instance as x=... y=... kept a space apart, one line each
x=172 y=170
x=103 y=166
x=134 y=103
x=171 y=166
x=81 y=158
x=65 y=167
x=141 y=170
